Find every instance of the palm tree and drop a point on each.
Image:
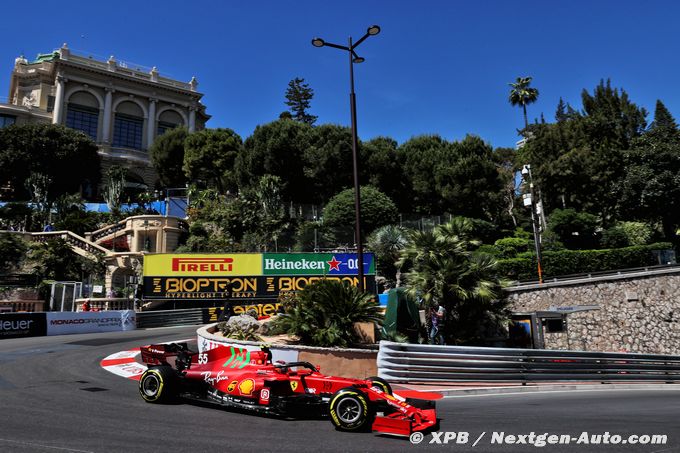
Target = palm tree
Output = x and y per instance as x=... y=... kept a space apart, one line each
x=387 y=242
x=522 y=94
x=325 y=311
x=446 y=269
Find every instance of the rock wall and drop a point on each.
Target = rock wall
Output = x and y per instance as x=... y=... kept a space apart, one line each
x=636 y=314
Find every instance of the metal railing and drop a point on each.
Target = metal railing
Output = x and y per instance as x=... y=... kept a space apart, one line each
x=597 y=276
x=165 y=318
x=77 y=242
x=398 y=362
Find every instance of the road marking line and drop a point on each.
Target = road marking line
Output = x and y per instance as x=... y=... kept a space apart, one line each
x=33 y=444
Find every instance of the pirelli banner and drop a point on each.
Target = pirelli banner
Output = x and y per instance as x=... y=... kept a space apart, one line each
x=247 y=275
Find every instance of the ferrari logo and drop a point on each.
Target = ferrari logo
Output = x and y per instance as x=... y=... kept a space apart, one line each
x=232 y=386
x=293 y=385
x=246 y=387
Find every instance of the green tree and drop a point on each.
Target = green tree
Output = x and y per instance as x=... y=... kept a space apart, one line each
x=663 y=119
x=522 y=94
x=444 y=270
x=376 y=210
x=12 y=251
x=68 y=158
x=381 y=168
x=420 y=156
x=277 y=149
x=210 y=156
x=650 y=187
x=578 y=162
x=328 y=161
x=54 y=260
x=167 y=157
x=271 y=218
x=468 y=180
x=114 y=184
x=387 y=242
x=298 y=99
x=576 y=230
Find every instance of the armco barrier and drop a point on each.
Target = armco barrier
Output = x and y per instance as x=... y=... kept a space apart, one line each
x=398 y=362
x=164 y=318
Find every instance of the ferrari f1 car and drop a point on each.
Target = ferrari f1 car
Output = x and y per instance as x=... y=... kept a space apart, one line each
x=244 y=379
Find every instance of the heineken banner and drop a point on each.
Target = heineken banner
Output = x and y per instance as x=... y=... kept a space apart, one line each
x=247 y=275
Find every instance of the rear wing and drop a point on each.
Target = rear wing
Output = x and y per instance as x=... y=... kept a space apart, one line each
x=158 y=354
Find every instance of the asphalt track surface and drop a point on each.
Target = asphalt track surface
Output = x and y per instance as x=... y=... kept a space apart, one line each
x=54 y=397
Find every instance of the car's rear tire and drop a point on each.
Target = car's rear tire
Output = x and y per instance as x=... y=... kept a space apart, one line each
x=381 y=384
x=350 y=410
x=158 y=384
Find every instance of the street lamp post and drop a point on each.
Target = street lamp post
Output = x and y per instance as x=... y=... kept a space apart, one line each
x=354 y=58
x=530 y=200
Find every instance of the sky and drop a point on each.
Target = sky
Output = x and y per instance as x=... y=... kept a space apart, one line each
x=437 y=67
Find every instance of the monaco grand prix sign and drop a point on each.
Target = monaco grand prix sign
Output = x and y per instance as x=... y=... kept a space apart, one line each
x=213 y=277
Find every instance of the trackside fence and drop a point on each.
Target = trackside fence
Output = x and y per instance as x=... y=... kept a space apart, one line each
x=399 y=362
x=165 y=318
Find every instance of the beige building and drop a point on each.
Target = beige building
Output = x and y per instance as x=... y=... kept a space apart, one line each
x=122 y=108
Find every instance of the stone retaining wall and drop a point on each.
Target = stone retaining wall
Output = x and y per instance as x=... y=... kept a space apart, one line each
x=640 y=314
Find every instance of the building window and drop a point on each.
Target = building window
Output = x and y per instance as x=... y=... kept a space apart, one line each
x=127 y=131
x=164 y=127
x=7 y=120
x=82 y=118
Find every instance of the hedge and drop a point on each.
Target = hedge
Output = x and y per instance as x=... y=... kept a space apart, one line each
x=566 y=262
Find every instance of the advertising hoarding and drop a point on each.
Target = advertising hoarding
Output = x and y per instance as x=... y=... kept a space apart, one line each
x=216 y=277
x=18 y=325
x=60 y=323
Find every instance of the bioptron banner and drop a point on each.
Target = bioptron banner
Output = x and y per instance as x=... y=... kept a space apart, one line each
x=249 y=275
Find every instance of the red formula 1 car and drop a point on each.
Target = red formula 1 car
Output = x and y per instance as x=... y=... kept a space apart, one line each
x=236 y=377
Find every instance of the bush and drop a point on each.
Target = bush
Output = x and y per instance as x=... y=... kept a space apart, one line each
x=324 y=313
x=510 y=247
x=377 y=209
x=576 y=230
x=12 y=251
x=566 y=262
x=625 y=234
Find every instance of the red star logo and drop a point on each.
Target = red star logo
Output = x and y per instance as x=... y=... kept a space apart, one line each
x=334 y=264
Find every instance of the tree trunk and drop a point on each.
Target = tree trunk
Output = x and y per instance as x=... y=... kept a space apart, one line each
x=526 y=122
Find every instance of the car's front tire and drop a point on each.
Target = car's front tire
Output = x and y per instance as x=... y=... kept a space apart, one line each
x=381 y=384
x=350 y=410
x=157 y=385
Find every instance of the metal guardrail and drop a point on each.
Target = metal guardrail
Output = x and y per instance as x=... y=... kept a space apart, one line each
x=398 y=362
x=165 y=318
x=597 y=276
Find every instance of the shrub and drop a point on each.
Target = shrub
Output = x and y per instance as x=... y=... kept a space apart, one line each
x=627 y=234
x=565 y=262
x=576 y=230
x=510 y=247
x=377 y=209
x=325 y=312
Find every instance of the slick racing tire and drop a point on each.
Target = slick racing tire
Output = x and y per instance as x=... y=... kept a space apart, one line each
x=381 y=384
x=350 y=410
x=157 y=385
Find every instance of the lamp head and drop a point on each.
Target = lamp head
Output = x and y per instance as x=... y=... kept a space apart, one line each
x=373 y=30
x=318 y=42
x=359 y=60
